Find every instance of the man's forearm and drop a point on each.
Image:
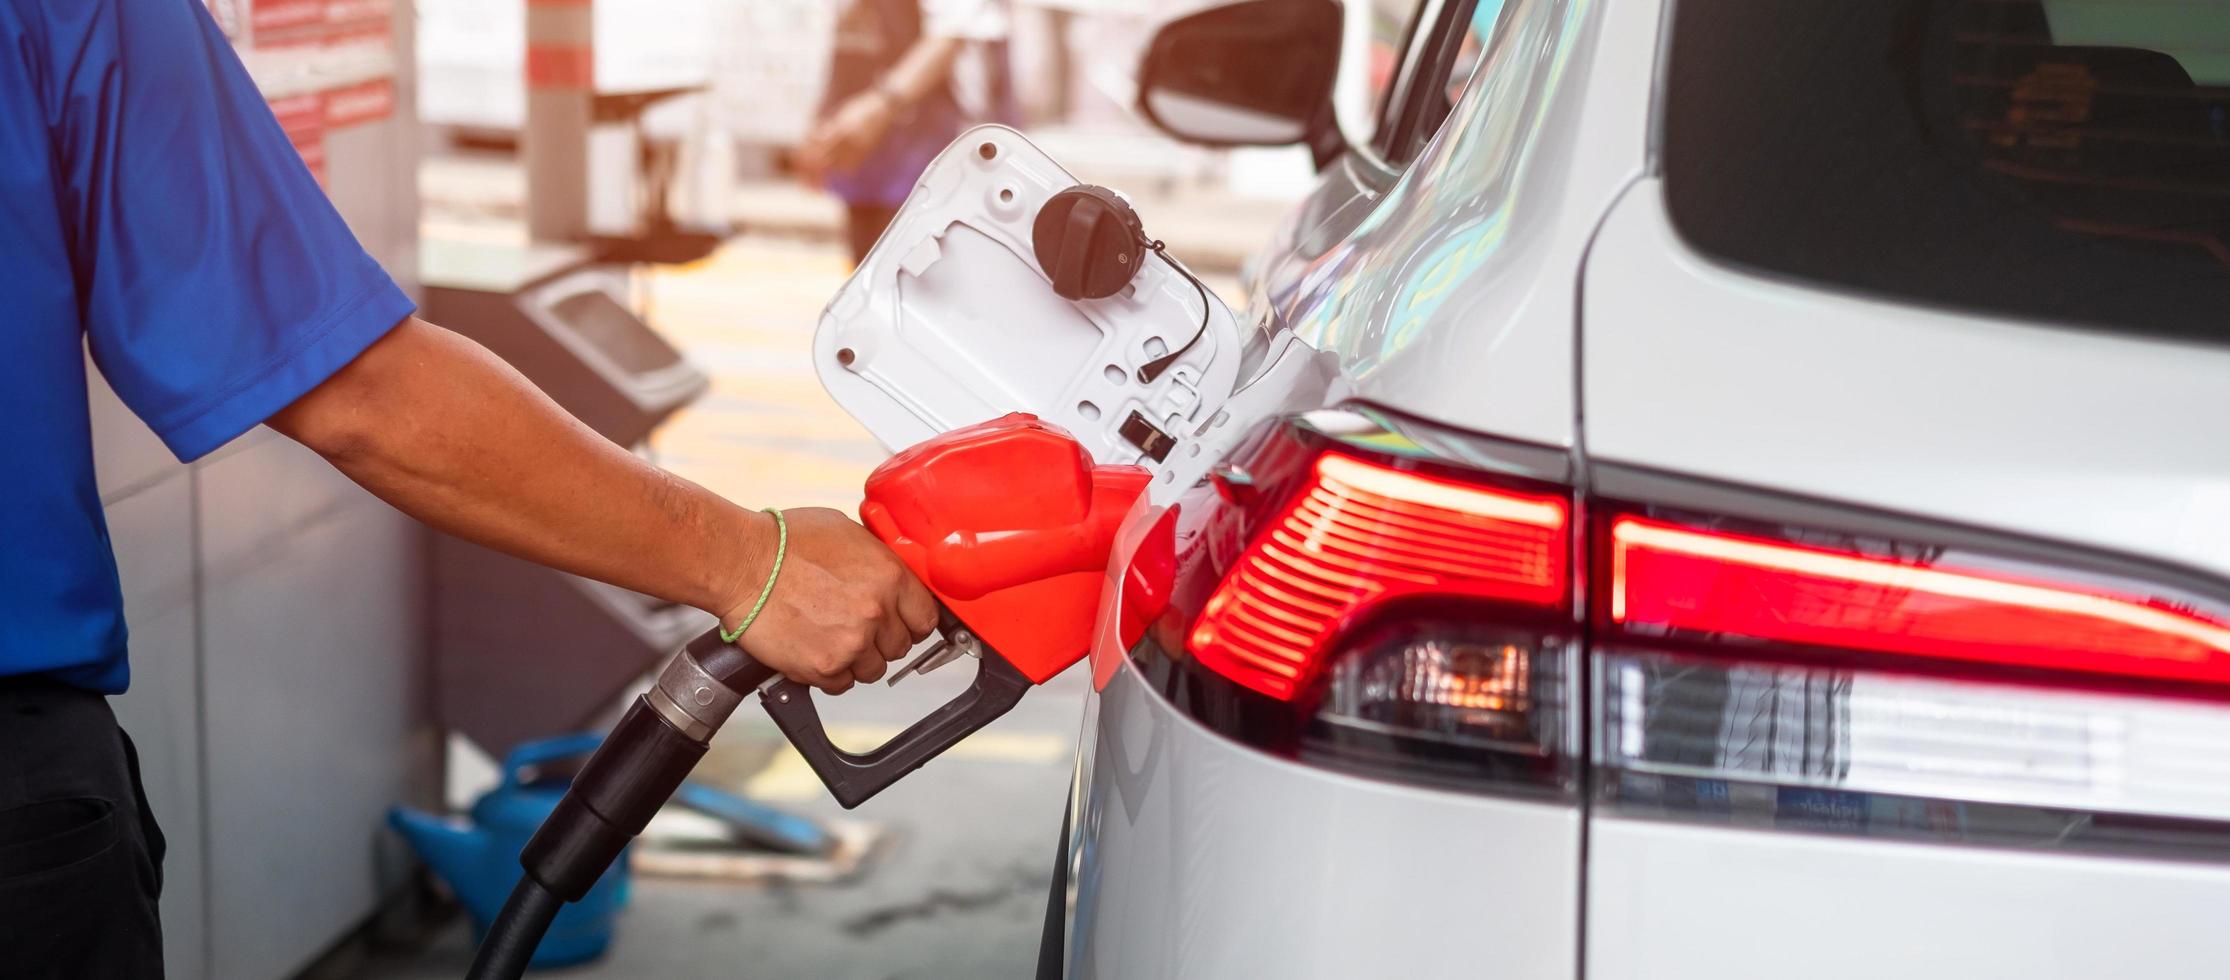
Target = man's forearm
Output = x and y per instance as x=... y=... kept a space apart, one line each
x=922 y=68
x=448 y=433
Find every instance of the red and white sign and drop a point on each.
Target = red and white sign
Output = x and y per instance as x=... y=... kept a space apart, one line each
x=228 y=16
x=303 y=119
x=355 y=105
x=357 y=14
x=271 y=16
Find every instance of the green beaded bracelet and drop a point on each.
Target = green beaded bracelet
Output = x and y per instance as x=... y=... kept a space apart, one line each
x=781 y=547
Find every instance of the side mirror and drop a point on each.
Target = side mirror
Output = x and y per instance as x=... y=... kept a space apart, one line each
x=1253 y=73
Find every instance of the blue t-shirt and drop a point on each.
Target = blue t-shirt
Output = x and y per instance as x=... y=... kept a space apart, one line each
x=151 y=210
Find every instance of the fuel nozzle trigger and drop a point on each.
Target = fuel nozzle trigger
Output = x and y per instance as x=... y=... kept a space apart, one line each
x=853 y=777
x=950 y=646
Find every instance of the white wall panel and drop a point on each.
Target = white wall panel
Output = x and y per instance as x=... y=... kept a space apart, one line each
x=313 y=650
x=153 y=533
x=126 y=454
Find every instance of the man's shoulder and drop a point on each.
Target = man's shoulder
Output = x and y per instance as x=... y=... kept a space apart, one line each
x=41 y=27
x=30 y=12
x=71 y=22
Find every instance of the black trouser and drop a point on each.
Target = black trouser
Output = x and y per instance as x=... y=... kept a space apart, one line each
x=81 y=861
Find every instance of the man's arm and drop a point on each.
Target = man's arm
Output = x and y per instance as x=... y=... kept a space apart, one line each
x=857 y=126
x=451 y=435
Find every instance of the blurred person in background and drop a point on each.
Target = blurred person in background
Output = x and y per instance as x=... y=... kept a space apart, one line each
x=894 y=99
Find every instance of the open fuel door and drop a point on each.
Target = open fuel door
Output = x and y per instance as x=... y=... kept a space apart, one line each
x=951 y=321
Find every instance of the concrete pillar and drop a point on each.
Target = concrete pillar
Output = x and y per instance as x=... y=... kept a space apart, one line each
x=561 y=81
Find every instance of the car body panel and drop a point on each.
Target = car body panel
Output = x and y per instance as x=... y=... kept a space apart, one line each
x=1199 y=857
x=1451 y=297
x=2038 y=432
x=2082 y=437
x=1670 y=901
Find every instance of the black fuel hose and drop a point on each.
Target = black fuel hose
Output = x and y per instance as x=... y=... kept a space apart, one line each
x=517 y=930
x=633 y=773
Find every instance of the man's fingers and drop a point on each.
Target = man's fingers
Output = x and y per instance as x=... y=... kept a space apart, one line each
x=918 y=607
x=836 y=682
x=891 y=639
x=869 y=669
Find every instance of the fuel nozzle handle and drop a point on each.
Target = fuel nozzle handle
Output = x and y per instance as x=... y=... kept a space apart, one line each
x=854 y=777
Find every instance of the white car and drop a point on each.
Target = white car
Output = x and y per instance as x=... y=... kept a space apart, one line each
x=1707 y=488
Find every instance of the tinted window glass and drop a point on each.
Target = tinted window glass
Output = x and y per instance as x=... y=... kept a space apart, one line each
x=2064 y=160
x=1398 y=28
x=1441 y=56
x=1444 y=80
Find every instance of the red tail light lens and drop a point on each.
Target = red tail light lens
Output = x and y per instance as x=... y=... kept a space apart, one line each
x=1360 y=533
x=1382 y=597
x=1667 y=576
x=1796 y=676
x=1364 y=593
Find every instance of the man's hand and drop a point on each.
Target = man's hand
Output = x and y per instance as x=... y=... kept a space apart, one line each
x=842 y=608
x=846 y=137
x=858 y=125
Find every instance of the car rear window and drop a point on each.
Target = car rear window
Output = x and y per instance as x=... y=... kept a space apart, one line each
x=2062 y=160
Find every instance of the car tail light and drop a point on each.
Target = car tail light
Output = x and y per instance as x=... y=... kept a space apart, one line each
x=1883 y=681
x=1361 y=533
x=1836 y=748
x=1380 y=596
x=1709 y=582
x=1354 y=600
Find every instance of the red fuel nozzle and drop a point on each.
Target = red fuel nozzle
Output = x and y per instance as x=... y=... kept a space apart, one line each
x=1010 y=523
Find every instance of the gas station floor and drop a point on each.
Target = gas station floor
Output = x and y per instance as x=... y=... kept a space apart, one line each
x=956 y=886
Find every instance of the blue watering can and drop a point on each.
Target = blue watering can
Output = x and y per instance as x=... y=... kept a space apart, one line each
x=480 y=858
